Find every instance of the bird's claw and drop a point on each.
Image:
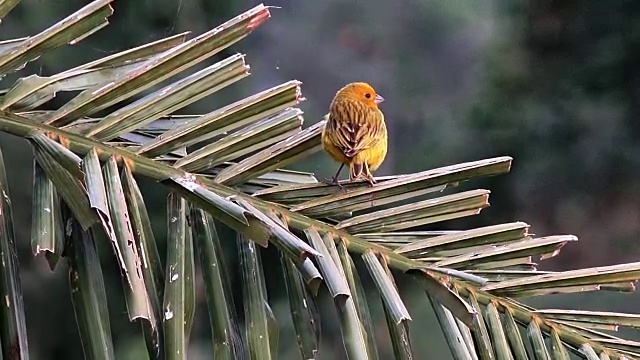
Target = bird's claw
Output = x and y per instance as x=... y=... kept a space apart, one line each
x=369 y=178
x=329 y=181
x=333 y=182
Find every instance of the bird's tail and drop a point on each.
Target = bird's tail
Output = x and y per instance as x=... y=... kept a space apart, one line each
x=356 y=171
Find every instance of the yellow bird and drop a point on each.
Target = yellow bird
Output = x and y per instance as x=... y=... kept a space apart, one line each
x=355 y=133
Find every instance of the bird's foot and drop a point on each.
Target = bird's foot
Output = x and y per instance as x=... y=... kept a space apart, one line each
x=333 y=182
x=371 y=181
x=360 y=179
x=330 y=181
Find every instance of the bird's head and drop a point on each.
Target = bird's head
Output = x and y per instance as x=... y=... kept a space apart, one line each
x=361 y=92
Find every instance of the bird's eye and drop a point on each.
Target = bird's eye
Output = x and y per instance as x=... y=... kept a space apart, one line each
x=368 y=96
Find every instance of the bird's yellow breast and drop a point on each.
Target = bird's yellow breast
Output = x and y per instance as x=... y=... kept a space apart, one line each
x=375 y=155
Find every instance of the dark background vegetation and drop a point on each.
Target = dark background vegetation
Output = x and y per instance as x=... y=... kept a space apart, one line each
x=555 y=84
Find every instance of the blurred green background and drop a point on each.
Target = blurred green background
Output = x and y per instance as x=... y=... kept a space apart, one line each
x=555 y=84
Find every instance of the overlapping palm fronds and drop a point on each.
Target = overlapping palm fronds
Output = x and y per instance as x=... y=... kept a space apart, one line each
x=226 y=167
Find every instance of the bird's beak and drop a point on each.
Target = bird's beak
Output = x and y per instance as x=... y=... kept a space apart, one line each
x=378 y=99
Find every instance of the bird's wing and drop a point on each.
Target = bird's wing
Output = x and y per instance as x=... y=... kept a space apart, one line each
x=356 y=130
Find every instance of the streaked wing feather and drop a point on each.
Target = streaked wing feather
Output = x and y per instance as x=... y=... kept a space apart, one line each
x=355 y=127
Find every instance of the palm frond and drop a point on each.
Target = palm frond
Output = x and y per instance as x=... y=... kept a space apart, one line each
x=88 y=292
x=74 y=28
x=226 y=167
x=13 y=327
x=227 y=342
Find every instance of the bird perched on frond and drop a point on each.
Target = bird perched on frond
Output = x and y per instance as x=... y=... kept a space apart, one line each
x=355 y=133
